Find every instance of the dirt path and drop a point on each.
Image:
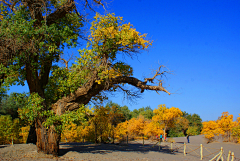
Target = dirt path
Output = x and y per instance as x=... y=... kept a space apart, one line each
x=134 y=151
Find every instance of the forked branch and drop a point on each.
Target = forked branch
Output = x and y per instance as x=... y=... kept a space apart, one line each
x=158 y=73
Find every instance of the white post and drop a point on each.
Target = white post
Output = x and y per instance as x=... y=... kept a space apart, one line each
x=201 y=152
x=184 y=151
x=232 y=156
x=220 y=154
x=229 y=155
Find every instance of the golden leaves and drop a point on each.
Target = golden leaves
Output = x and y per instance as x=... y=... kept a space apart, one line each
x=110 y=30
x=224 y=126
x=164 y=114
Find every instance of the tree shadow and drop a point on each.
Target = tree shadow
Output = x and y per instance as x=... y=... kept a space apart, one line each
x=110 y=148
x=180 y=142
x=3 y=146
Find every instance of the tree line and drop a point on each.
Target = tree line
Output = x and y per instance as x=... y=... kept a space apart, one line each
x=223 y=128
x=102 y=123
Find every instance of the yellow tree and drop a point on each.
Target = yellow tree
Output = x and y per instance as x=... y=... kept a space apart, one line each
x=166 y=116
x=114 y=117
x=100 y=120
x=121 y=129
x=152 y=129
x=136 y=126
x=70 y=132
x=226 y=124
x=236 y=129
x=211 y=129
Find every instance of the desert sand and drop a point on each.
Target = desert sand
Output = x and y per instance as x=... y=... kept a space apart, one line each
x=122 y=152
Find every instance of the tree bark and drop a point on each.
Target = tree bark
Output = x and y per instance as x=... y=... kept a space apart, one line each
x=47 y=139
x=32 y=136
x=95 y=125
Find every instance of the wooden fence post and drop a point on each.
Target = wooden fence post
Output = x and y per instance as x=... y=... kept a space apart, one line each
x=201 y=152
x=220 y=154
x=229 y=155
x=232 y=156
x=184 y=151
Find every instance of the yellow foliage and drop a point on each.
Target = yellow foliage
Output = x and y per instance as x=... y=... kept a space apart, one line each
x=226 y=122
x=136 y=126
x=210 y=129
x=152 y=129
x=106 y=28
x=165 y=115
x=24 y=133
x=70 y=132
x=238 y=119
x=121 y=129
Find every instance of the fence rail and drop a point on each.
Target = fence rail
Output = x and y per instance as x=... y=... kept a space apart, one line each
x=198 y=151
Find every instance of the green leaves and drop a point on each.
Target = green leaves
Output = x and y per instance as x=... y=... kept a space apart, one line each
x=33 y=109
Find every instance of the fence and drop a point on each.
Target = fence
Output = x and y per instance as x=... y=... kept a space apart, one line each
x=198 y=151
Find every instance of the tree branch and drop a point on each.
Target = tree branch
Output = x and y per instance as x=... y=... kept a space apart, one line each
x=11 y=6
x=60 y=12
x=84 y=94
x=158 y=73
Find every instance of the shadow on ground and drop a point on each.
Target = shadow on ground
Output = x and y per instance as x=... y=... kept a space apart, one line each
x=109 y=148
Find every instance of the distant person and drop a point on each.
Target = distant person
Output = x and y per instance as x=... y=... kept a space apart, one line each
x=157 y=137
x=188 y=138
x=161 y=138
x=165 y=138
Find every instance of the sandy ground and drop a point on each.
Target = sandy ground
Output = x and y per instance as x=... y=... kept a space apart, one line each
x=116 y=152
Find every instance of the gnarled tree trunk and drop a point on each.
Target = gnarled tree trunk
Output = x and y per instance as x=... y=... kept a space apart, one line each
x=47 y=139
x=32 y=136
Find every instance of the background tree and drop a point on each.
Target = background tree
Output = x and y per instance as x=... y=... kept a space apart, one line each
x=166 y=116
x=33 y=36
x=147 y=112
x=226 y=124
x=211 y=129
x=179 y=128
x=126 y=113
x=236 y=129
x=195 y=122
x=10 y=104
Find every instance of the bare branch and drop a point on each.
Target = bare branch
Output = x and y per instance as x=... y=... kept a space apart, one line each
x=158 y=73
x=11 y=6
x=128 y=92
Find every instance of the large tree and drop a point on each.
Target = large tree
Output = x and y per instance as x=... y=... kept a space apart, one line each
x=33 y=36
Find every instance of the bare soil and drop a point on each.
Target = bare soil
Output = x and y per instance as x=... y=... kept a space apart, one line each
x=118 y=152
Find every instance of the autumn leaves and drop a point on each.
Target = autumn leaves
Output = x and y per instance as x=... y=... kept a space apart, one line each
x=107 y=122
x=225 y=126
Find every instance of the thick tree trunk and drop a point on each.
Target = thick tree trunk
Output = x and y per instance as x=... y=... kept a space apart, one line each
x=47 y=139
x=164 y=132
x=113 y=134
x=95 y=125
x=32 y=137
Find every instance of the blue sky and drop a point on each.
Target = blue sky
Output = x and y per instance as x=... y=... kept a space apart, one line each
x=199 y=41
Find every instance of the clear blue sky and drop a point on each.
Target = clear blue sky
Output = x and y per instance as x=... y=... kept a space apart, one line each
x=199 y=40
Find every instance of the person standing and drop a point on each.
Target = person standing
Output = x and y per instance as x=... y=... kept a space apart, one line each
x=161 y=138
x=188 y=138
